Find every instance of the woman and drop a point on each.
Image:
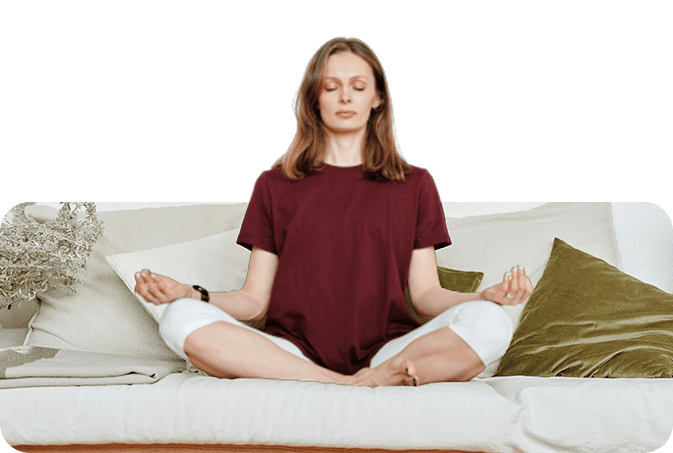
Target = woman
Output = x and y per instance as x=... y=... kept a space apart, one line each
x=337 y=229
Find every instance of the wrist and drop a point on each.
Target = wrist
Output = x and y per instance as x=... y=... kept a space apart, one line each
x=191 y=293
x=203 y=296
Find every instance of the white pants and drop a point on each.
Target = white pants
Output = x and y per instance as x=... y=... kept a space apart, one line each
x=484 y=326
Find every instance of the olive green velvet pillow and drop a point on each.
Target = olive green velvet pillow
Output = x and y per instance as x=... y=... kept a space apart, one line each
x=461 y=281
x=586 y=318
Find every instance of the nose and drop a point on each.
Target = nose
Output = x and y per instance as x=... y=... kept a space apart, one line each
x=345 y=97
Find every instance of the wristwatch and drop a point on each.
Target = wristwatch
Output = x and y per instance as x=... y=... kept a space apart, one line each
x=204 y=293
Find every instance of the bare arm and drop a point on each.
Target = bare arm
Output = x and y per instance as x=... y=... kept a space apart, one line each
x=430 y=299
x=248 y=304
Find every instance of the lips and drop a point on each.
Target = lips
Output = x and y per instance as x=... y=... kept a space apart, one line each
x=345 y=114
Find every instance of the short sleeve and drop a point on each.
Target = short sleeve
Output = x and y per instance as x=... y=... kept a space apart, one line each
x=431 y=227
x=257 y=227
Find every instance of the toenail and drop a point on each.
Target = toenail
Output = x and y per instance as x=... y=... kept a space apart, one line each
x=414 y=380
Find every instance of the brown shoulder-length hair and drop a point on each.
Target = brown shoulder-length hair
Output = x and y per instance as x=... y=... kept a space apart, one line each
x=306 y=154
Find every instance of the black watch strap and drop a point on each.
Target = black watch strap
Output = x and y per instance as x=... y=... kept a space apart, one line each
x=204 y=293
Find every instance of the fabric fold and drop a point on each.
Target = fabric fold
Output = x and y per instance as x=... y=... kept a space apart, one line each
x=36 y=366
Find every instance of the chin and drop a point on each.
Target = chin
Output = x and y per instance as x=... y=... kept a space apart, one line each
x=345 y=127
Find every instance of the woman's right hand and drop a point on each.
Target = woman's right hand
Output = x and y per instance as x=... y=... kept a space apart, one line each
x=158 y=289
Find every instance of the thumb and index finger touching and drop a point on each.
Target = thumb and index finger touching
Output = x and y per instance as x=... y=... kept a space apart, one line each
x=517 y=285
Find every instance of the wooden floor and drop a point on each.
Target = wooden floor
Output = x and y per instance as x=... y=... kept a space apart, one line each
x=204 y=448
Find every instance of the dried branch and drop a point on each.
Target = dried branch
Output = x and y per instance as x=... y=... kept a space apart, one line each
x=37 y=256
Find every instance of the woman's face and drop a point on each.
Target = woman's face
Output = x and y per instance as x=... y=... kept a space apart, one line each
x=348 y=93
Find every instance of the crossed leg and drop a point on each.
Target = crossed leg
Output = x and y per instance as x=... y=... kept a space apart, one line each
x=226 y=350
x=439 y=356
x=218 y=344
x=455 y=346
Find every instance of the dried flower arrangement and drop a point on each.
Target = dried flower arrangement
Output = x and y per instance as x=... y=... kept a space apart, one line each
x=36 y=256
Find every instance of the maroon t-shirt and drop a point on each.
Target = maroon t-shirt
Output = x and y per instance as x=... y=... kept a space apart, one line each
x=344 y=244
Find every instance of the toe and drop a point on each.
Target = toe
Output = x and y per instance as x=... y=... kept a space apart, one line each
x=411 y=377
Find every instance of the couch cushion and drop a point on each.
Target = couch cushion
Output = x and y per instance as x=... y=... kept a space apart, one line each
x=495 y=243
x=505 y=414
x=12 y=337
x=586 y=318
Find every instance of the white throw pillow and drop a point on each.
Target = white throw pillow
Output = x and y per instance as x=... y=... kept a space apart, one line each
x=214 y=262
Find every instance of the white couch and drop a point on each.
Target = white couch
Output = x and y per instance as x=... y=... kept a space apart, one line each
x=159 y=401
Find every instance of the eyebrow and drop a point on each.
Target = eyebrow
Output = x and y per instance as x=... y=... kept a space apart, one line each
x=365 y=78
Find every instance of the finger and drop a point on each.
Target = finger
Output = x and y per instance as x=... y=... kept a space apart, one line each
x=146 y=287
x=515 y=284
x=524 y=282
x=141 y=286
x=142 y=275
x=141 y=289
x=525 y=287
x=163 y=289
x=153 y=288
x=506 y=287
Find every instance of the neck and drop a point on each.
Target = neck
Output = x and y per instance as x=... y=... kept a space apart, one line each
x=344 y=150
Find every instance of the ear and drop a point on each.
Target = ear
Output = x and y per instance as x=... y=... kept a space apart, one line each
x=377 y=102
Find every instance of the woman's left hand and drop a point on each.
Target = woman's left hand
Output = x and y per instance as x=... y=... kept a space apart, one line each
x=515 y=288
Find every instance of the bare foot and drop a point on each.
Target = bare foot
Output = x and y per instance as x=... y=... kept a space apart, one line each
x=396 y=371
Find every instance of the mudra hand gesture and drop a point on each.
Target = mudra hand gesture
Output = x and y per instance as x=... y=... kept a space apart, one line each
x=157 y=289
x=515 y=288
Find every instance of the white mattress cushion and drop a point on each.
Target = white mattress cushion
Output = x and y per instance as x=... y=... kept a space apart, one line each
x=498 y=414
